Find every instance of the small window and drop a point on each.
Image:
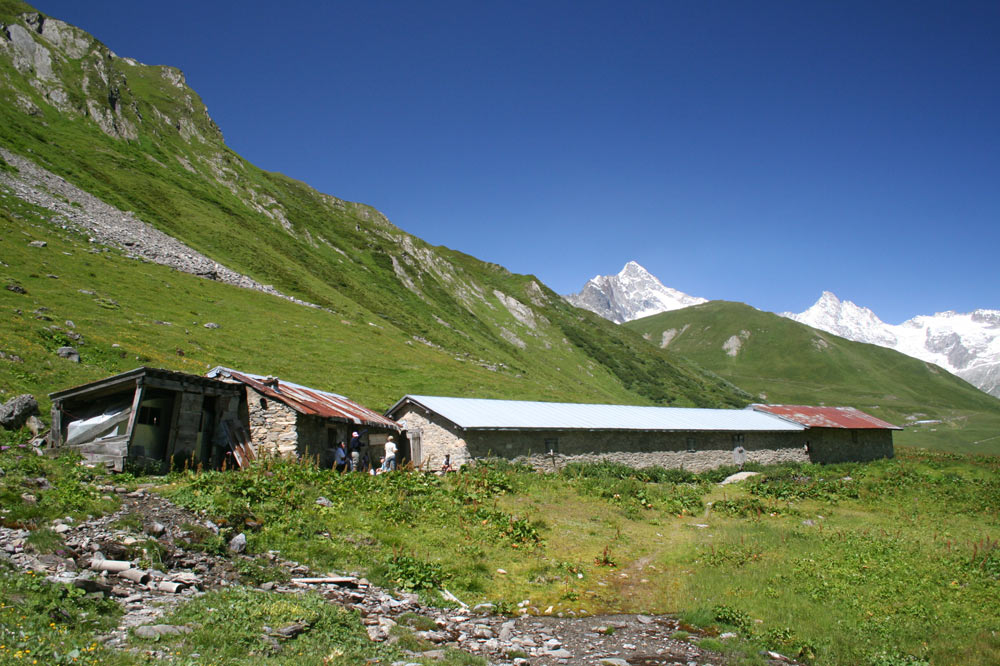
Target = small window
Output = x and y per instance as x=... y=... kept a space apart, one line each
x=854 y=436
x=552 y=444
x=151 y=416
x=739 y=438
x=263 y=403
x=690 y=445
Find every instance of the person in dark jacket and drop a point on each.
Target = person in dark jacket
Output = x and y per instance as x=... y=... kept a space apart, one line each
x=340 y=458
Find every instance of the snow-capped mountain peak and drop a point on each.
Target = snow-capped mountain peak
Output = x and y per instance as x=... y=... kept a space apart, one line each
x=631 y=294
x=847 y=320
x=965 y=344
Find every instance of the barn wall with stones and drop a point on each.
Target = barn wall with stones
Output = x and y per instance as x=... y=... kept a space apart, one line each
x=435 y=437
x=832 y=445
x=694 y=451
x=273 y=428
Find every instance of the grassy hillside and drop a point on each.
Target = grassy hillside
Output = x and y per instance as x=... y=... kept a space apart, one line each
x=783 y=361
x=398 y=314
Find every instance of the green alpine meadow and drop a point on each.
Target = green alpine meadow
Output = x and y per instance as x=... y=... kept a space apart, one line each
x=778 y=360
x=130 y=232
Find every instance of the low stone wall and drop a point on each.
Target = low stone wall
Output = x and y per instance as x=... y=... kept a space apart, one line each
x=697 y=461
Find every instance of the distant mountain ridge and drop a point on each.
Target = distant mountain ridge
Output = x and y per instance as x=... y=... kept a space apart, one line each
x=965 y=344
x=631 y=294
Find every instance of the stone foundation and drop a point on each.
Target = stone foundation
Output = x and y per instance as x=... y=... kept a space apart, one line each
x=697 y=461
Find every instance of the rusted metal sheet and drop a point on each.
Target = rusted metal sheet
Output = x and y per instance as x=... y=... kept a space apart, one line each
x=309 y=401
x=827 y=417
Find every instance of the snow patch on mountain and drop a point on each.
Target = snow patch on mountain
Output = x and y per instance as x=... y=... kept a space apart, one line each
x=631 y=294
x=965 y=344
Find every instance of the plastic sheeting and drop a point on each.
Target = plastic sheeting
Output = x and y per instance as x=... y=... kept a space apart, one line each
x=102 y=426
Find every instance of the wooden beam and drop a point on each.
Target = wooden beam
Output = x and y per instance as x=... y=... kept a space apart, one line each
x=136 y=402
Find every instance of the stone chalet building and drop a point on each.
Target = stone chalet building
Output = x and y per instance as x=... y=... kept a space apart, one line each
x=543 y=433
x=288 y=419
x=157 y=419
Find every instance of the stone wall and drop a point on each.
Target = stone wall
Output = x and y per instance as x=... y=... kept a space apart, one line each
x=699 y=461
x=833 y=445
x=515 y=443
x=273 y=426
x=436 y=439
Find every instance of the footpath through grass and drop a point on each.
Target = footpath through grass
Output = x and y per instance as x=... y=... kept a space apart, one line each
x=889 y=562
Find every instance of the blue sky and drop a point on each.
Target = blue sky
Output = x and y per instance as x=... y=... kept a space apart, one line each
x=759 y=152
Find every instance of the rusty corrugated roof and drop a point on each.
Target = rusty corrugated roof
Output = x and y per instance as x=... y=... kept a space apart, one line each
x=826 y=417
x=307 y=400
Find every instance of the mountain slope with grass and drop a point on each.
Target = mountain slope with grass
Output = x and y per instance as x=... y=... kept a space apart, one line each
x=117 y=167
x=783 y=361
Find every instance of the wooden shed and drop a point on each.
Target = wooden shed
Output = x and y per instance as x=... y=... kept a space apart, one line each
x=150 y=417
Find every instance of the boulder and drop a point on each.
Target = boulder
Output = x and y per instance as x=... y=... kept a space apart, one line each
x=69 y=353
x=16 y=411
x=238 y=543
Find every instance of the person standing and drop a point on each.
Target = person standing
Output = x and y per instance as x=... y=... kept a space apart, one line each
x=355 y=450
x=739 y=456
x=340 y=458
x=389 y=463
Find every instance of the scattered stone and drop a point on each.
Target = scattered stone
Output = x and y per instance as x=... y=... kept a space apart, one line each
x=644 y=619
x=154 y=631
x=322 y=501
x=69 y=353
x=211 y=324
x=37 y=244
x=16 y=288
x=736 y=478
x=238 y=544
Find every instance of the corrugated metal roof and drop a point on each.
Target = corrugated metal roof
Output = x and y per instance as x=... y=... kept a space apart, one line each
x=826 y=417
x=307 y=400
x=473 y=413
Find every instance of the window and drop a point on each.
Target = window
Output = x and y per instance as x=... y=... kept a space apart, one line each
x=854 y=436
x=739 y=438
x=552 y=444
x=690 y=444
x=263 y=403
x=152 y=416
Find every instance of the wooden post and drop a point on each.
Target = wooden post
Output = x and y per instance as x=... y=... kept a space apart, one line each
x=134 y=416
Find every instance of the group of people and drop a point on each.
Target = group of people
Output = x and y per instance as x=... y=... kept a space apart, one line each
x=351 y=457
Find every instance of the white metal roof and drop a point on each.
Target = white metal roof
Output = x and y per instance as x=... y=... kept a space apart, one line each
x=474 y=413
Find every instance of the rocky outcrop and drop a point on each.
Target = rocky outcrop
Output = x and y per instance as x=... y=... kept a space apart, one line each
x=16 y=411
